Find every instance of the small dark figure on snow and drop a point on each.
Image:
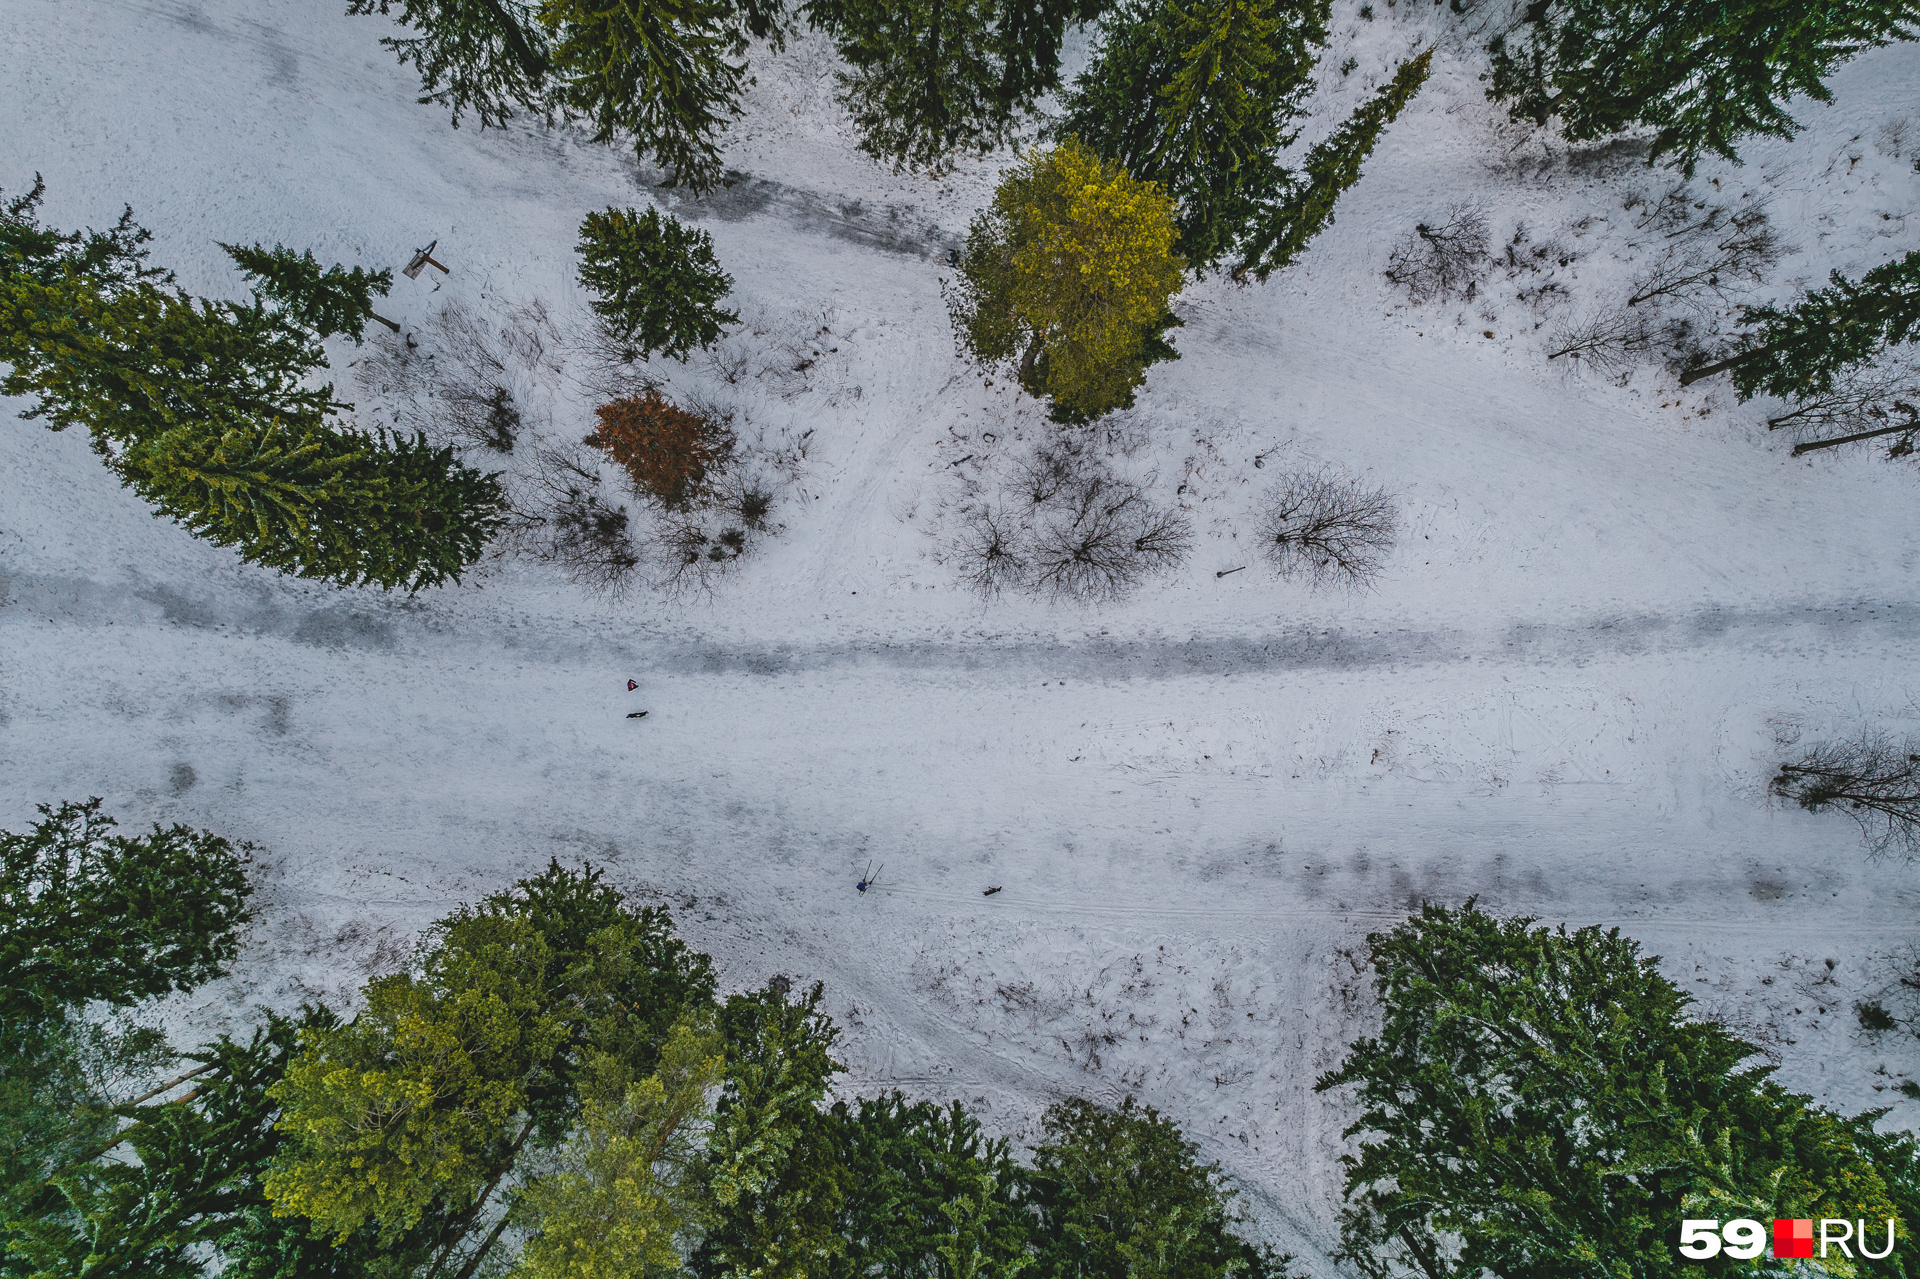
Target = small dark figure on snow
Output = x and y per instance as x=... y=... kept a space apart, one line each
x=867 y=880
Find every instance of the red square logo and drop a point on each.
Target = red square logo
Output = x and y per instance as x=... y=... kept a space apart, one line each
x=1792 y=1237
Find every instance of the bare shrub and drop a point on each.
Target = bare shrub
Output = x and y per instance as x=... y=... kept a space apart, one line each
x=467 y=380
x=1102 y=537
x=569 y=525
x=1609 y=339
x=1867 y=402
x=1327 y=528
x=1709 y=254
x=668 y=452
x=992 y=552
x=1873 y=779
x=1438 y=261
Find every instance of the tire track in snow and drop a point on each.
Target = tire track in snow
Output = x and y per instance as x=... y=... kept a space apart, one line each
x=1781 y=629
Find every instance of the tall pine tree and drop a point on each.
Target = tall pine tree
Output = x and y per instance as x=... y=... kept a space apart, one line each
x=1283 y=229
x=1538 y=1102
x=933 y=79
x=207 y=410
x=1795 y=352
x=1200 y=98
x=1702 y=73
x=665 y=74
x=328 y=301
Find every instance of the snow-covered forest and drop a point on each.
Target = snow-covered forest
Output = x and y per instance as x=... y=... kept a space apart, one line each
x=1073 y=736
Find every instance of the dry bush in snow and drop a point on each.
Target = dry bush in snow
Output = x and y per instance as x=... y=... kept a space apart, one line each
x=1327 y=528
x=1874 y=779
x=465 y=377
x=570 y=524
x=1065 y=524
x=1711 y=254
x=1101 y=537
x=991 y=552
x=1438 y=261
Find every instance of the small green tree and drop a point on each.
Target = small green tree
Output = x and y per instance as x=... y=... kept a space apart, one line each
x=1068 y=276
x=1283 y=229
x=926 y=1194
x=1795 y=352
x=518 y=1010
x=1122 y=1192
x=88 y=915
x=664 y=74
x=773 y=1178
x=207 y=409
x=325 y=301
x=933 y=79
x=1200 y=98
x=1538 y=1103
x=1702 y=72
x=659 y=286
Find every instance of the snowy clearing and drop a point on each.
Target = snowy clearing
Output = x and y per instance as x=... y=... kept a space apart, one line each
x=1611 y=608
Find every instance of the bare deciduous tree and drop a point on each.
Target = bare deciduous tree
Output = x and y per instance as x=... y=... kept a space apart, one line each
x=1436 y=261
x=991 y=554
x=1709 y=255
x=568 y=525
x=1328 y=528
x=1873 y=778
x=1868 y=402
x=1102 y=537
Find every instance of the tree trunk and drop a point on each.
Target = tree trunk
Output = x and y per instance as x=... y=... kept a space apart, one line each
x=1855 y=438
x=1694 y=375
x=473 y=1212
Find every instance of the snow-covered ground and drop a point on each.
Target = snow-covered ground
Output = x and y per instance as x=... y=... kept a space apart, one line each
x=1612 y=608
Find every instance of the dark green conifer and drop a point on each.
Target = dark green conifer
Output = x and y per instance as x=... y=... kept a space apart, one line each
x=1200 y=98
x=1795 y=352
x=1703 y=73
x=326 y=300
x=661 y=72
x=207 y=409
x=933 y=79
x=1284 y=229
x=1537 y=1099
x=659 y=286
x=1110 y=1189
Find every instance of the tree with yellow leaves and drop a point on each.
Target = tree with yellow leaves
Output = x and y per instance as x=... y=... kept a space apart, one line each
x=1067 y=276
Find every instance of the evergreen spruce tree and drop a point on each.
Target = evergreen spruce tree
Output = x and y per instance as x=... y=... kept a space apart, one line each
x=1795 y=352
x=325 y=301
x=1284 y=229
x=773 y=1176
x=932 y=79
x=1537 y=1102
x=1123 y=1192
x=520 y=1012
x=658 y=70
x=659 y=286
x=87 y=915
x=1703 y=73
x=207 y=409
x=664 y=74
x=1199 y=98
x=1067 y=276
x=926 y=1193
